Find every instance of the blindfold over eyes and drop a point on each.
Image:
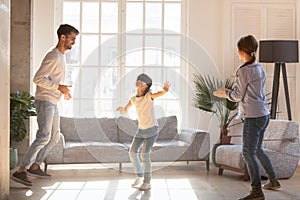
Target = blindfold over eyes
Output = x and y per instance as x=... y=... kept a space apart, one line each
x=144 y=78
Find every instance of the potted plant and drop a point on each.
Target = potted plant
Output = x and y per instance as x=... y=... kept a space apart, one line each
x=21 y=108
x=223 y=109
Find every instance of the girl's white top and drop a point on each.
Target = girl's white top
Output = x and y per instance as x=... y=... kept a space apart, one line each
x=145 y=110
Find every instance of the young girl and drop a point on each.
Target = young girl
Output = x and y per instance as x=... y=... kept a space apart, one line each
x=148 y=129
x=249 y=90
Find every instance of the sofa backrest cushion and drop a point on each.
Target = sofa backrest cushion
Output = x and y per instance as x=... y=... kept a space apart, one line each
x=68 y=129
x=128 y=128
x=89 y=129
x=167 y=128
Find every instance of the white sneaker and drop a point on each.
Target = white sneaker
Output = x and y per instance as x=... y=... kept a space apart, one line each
x=145 y=186
x=138 y=181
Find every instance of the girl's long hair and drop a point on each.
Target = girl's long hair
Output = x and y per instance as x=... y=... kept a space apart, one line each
x=249 y=45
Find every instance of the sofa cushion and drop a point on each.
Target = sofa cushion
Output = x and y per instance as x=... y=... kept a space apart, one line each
x=168 y=150
x=167 y=128
x=68 y=129
x=109 y=128
x=127 y=129
x=95 y=152
x=89 y=129
x=230 y=155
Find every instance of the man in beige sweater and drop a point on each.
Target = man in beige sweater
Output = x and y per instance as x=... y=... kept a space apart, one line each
x=49 y=81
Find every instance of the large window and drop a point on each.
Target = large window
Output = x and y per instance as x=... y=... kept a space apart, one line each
x=118 y=40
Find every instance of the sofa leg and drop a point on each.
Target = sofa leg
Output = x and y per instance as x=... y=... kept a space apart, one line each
x=187 y=162
x=45 y=168
x=120 y=167
x=246 y=175
x=221 y=171
x=207 y=165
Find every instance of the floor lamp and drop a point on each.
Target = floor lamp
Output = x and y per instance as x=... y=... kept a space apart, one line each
x=279 y=52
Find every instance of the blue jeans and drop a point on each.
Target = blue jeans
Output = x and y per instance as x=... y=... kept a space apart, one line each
x=139 y=152
x=253 y=134
x=47 y=135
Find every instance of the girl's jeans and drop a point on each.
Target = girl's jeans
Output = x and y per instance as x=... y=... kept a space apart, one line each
x=47 y=135
x=253 y=134
x=140 y=150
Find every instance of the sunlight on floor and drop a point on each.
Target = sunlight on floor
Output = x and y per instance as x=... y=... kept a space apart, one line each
x=119 y=189
x=177 y=182
x=83 y=166
x=126 y=167
x=28 y=193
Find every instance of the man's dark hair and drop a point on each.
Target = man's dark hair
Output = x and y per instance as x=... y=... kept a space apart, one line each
x=66 y=29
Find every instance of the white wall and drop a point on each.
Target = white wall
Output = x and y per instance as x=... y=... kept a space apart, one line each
x=205 y=21
x=43 y=31
x=4 y=100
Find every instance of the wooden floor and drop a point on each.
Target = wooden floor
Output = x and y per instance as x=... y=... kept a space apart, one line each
x=175 y=181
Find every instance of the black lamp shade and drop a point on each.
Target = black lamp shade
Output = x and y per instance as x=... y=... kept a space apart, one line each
x=278 y=51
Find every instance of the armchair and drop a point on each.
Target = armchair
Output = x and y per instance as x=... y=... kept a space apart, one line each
x=281 y=143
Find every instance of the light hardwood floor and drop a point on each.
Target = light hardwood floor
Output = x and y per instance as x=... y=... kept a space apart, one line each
x=176 y=181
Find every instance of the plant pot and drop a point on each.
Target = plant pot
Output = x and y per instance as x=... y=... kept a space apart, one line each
x=225 y=139
x=13 y=153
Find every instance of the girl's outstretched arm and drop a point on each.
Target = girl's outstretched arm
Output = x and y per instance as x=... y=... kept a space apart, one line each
x=160 y=93
x=221 y=93
x=123 y=110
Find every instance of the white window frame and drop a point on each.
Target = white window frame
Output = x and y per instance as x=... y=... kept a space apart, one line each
x=121 y=63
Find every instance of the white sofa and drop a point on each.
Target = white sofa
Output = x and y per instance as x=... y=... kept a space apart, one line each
x=107 y=140
x=281 y=143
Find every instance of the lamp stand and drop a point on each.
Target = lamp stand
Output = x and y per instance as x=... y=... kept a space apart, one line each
x=276 y=88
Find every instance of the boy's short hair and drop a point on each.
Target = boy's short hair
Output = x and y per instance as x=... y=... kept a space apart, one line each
x=66 y=29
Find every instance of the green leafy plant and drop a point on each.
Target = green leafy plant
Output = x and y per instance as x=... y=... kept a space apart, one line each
x=21 y=108
x=223 y=109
